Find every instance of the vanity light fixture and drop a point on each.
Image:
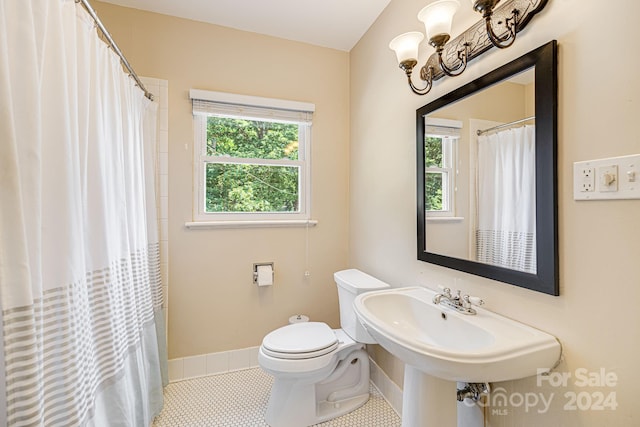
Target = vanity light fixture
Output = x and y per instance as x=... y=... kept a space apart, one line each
x=498 y=28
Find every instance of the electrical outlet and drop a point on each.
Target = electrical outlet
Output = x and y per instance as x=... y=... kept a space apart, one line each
x=587 y=179
x=584 y=180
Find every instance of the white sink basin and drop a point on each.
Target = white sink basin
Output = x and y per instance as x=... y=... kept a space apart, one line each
x=444 y=343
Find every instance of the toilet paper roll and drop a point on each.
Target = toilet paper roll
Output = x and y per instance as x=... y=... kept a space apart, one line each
x=298 y=318
x=265 y=275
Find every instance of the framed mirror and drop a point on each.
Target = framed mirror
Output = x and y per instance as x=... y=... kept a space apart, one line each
x=487 y=199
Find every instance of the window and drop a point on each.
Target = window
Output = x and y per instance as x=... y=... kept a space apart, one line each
x=440 y=161
x=252 y=158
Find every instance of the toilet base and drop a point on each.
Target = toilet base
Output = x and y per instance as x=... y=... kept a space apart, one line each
x=296 y=403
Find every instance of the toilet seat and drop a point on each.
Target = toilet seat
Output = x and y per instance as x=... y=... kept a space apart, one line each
x=305 y=340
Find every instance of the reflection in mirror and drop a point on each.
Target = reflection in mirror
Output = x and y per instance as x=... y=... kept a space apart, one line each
x=487 y=199
x=484 y=210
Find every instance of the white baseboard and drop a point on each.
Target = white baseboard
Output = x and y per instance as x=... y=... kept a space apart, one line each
x=389 y=390
x=213 y=363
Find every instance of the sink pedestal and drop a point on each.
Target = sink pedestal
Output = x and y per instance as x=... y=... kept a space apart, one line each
x=427 y=401
x=431 y=402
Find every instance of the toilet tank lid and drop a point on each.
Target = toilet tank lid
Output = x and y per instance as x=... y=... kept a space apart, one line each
x=355 y=280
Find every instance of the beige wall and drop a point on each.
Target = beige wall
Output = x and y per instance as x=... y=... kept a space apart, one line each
x=599 y=105
x=213 y=305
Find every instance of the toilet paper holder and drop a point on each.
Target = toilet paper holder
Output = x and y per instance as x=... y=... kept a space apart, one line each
x=255 y=272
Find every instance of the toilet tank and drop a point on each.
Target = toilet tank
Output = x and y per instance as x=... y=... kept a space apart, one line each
x=352 y=283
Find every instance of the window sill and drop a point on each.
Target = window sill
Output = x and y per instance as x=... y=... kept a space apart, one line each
x=251 y=224
x=445 y=218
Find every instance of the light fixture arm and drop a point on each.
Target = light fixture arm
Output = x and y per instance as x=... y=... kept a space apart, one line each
x=506 y=39
x=426 y=75
x=460 y=67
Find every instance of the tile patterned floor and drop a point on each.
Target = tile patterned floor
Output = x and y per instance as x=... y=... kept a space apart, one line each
x=239 y=399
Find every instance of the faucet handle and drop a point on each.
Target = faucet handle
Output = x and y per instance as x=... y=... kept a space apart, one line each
x=446 y=291
x=476 y=301
x=473 y=300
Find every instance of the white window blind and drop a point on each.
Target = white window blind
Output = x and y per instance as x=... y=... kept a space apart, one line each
x=223 y=104
x=442 y=127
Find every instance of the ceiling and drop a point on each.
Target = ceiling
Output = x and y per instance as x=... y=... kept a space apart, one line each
x=337 y=24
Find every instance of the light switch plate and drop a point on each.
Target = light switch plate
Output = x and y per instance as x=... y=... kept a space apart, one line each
x=611 y=178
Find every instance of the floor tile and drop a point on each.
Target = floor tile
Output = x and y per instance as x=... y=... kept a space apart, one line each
x=239 y=399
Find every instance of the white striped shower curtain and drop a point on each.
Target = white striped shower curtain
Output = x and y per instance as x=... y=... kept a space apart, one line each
x=80 y=288
x=506 y=217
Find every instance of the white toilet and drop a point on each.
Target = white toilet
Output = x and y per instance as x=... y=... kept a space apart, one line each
x=320 y=373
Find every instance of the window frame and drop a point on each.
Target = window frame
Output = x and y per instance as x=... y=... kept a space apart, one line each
x=449 y=133
x=256 y=109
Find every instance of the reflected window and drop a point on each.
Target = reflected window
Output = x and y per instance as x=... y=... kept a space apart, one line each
x=440 y=161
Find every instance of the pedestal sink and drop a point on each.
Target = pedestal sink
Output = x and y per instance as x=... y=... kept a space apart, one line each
x=438 y=341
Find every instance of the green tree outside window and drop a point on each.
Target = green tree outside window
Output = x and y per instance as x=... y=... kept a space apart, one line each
x=239 y=187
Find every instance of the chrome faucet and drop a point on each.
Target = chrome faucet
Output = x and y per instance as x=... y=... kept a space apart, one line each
x=445 y=295
x=460 y=303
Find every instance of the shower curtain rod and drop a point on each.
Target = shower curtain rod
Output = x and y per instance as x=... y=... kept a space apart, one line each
x=480 y=132
x=115 y=47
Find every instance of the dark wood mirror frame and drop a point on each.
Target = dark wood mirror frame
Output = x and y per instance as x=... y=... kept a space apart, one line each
x=546 y=279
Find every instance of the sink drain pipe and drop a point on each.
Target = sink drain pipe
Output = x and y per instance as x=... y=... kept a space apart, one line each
x=473 y=391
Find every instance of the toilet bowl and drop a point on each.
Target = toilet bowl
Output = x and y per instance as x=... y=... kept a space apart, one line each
x=319 y=373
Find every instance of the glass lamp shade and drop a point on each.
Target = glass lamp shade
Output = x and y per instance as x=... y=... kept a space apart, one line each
x=406 y=45
x=438 y=16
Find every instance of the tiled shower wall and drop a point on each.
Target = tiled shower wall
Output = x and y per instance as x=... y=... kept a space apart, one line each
x=160 y=90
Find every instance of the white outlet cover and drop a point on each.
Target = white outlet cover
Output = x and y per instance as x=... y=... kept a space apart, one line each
x=586 y=179
x=626 y=170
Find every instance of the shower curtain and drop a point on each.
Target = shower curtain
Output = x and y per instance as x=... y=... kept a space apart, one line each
x=80 y=288
x=506 y=225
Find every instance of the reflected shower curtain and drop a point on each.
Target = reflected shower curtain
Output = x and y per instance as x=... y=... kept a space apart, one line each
x=506 y=230
x=80 y=287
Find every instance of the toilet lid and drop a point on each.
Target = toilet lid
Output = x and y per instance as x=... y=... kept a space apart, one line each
x=300 y=341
